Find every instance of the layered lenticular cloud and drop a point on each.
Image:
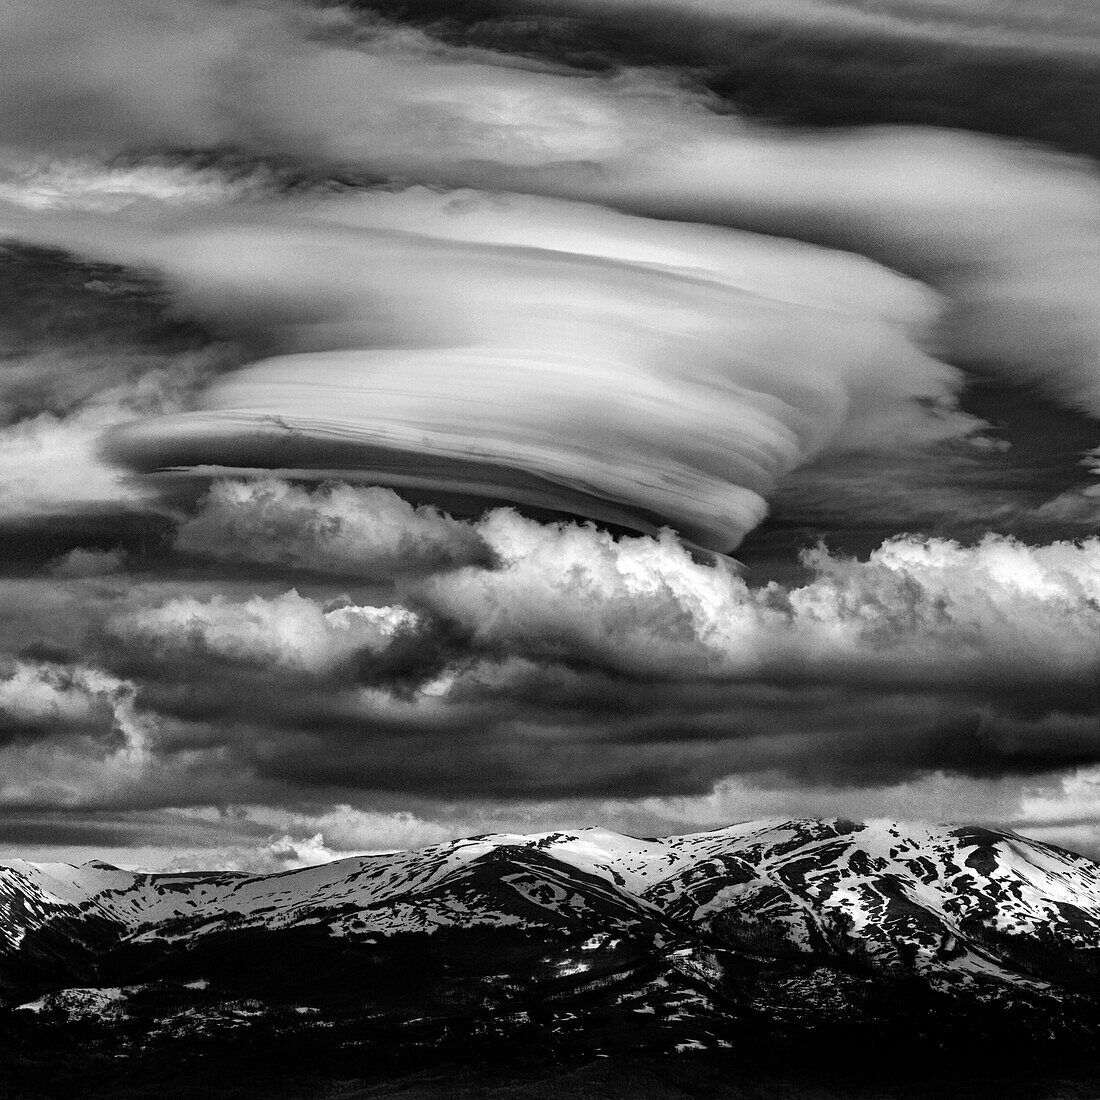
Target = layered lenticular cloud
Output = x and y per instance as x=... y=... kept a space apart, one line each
x=383 y=389
x=646 y=375
x=461 y=308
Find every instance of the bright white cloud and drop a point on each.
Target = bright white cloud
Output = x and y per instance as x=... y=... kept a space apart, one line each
x=661 y=379
x=46 y=694
x=51 y=464
x=50 y=461
x=918 y=611
x=336 y=528
x=289 y=630
x=41 y=699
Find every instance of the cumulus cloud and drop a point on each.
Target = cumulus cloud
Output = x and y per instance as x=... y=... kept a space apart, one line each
x=45 y=696
x=578 y=663
x=52 y=464
x=336 y=528
x=289 y=631
x=581 y=664
x=919 y=611
x=58 y=721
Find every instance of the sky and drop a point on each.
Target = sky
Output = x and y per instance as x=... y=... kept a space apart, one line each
x=423 y=419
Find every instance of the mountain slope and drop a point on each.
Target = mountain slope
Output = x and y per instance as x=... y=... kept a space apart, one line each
x=942 y=902
x=678 y=943
x=821 y=942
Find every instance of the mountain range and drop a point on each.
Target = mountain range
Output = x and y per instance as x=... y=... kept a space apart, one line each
x=558 y=949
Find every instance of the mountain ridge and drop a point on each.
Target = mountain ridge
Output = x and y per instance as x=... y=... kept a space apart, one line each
x=554 y=948
x=919 y=897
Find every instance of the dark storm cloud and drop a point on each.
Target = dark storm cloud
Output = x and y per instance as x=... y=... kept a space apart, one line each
x=576 y=665
x=31 y=543
x=786 y=743
x=100 y=830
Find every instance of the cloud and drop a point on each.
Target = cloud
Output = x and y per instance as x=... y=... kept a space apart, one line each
x=307 y=839
x=922 y=612
x=443 y=319
x=990 y=68
x=275 y=78
x=60 y=726
x=292 y=78
x=87 y=346
x=88 y=562
x=395 y=339
x=1008 y=232
x=596 y=292
x=85 y=183
x=48 y=697
x=985 y=67
x=646 y=380
x=340 y=529
x=136 y=72
x=262 y=838
x=51 y=465
x=289 y=631
x=1010 y=235
x=1025 y=25
x=579 y=663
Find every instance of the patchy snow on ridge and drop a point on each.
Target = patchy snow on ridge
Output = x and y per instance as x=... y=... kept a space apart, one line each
x=946 y=902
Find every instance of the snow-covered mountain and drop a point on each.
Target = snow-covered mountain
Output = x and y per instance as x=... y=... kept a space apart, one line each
x=950 y=904
x=777 y=936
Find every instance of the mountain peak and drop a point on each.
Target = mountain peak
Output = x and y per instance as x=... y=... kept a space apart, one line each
x=929 y=899
x=796 y=923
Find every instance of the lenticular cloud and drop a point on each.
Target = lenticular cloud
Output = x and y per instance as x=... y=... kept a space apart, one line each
x=555 y=352
x=640 y=374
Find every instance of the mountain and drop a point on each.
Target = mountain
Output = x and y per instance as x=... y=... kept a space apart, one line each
x=783 y=936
